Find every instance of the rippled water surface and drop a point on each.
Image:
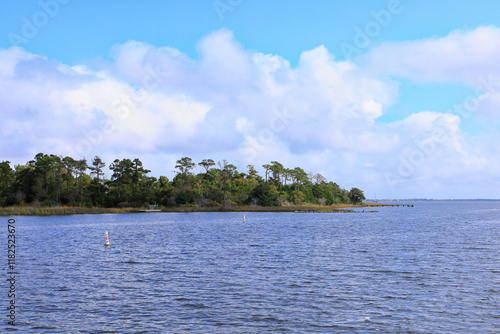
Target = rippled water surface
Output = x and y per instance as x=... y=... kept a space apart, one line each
x=433 y=268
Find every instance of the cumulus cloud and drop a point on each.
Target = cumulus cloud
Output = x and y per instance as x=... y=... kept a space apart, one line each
x=461 y=56
x=159 y=104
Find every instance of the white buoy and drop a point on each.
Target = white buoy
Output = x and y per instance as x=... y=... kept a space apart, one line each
x=107 y=239
x=244 y=219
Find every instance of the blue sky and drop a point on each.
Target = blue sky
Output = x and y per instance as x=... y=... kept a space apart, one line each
x=255 y=81
x=82 y=30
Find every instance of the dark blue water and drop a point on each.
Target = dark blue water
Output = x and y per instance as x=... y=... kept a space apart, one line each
x=433 y=268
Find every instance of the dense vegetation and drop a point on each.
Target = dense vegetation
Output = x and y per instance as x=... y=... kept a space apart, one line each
x=50 y=180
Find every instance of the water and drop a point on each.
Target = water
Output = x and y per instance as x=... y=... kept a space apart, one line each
x=429 y=269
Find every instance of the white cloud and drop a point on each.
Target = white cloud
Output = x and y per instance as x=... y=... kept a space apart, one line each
x=248 y=107
x=461 y=56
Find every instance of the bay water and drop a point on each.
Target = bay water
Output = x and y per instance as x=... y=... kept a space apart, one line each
x=431 y=268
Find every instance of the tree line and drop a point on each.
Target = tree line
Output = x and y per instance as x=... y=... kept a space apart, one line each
x=51 y=180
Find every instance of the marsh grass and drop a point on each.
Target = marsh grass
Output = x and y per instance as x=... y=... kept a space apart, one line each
x=58 y=211
x=67 y=210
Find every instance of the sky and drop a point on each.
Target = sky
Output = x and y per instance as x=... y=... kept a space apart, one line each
x=399 y=98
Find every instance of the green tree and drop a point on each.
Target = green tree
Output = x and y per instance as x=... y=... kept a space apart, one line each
x=122 y=177
x=139 y=172
x=252 y=173
x=207 y=164
x=267 y=168
x=97 y=168
x=24 y=184
x=287 y=174
x=264 y=195
x=277 y=170
x=298 y=197
x=97 y=183
x=7 y=178
x=43 y=165
x=299 y=176
x=81 y=168
x=165 y=192
x=184 y=165
x=228 y=172
x=356 y=195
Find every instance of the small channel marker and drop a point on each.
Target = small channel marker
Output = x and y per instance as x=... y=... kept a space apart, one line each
x=244 y=219
x=107 y=239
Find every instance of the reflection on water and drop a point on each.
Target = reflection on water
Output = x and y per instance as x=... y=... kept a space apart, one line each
x=431 y=268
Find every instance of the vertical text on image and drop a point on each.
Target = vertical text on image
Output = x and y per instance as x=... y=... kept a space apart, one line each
x=11 y=271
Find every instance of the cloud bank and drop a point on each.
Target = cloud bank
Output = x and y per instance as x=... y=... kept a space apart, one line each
x=158 y=104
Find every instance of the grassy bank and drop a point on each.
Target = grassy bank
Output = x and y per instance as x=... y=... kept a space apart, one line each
x=57 y=211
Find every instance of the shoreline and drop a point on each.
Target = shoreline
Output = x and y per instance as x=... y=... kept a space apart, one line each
x=66 y=211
